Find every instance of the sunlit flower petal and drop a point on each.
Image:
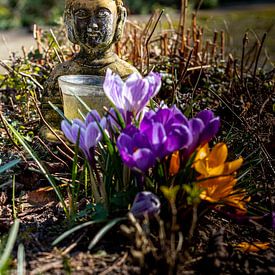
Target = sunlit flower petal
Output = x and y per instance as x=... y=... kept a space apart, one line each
x=113 y=86
x=221 y=190
x=92 y=135
x=201 y=167
x=218 y=155
x=212 y=163
x=86 y=133
x=203 y=152
x=215 y=189
x=174 y=163
x=133 y=95
x=252 y=247
x=230 y=167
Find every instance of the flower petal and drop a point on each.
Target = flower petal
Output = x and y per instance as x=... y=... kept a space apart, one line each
x=66 y=128
x=92 y=116
x=125 y=143
x=112 y=87
x=200 y=167
x=218 y=155
x=210 y=131
x=206 y=116
x=233 y=166
x=203 y=152
x=145 y=203
x=174 y=163
x=144 y=159
x=92 y=136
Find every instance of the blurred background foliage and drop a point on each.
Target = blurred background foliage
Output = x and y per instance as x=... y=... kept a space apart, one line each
x=17 y=13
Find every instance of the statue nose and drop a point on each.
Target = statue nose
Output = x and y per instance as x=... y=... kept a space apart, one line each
x=94 y=26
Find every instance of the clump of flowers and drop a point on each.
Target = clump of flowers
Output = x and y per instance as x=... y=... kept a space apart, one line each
x=217 y=177
x=137 y=154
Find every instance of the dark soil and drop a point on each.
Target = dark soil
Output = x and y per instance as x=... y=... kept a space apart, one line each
x=212 y=249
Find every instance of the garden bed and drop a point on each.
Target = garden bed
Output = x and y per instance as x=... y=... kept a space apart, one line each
x=196 y=76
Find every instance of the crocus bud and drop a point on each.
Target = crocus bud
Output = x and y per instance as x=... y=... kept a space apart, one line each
x=145 y=203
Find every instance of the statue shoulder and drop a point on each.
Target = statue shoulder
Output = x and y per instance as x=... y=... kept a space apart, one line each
x=64 y=68
x=123 y=68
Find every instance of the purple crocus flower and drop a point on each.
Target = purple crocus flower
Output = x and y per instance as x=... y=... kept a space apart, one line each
x=130 y=97
x=88 y=132
x=211 y=126
x=160 y=134
x=203 y=128
x=145 y=203
x=135 y=149
x=167 y=130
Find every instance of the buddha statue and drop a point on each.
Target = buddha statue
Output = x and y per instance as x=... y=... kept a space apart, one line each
x=94 y=25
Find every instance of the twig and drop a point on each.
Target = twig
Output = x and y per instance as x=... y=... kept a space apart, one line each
x=50 y=151
x=73 y=245
x=51 y=266
x=51 y=129
x=55 y=40
x=245 y=41
x=64 y=154
x=258 y=54
x=118 y=263
x=149 y=38
x=184 y=71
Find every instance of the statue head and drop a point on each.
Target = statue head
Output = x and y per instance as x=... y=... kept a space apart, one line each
x=94 y=24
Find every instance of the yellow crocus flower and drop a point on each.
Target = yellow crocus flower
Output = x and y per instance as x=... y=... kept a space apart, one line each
x=212 y=163
x=221 y=190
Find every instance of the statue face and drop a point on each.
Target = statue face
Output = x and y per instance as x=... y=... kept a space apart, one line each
x=94 y=23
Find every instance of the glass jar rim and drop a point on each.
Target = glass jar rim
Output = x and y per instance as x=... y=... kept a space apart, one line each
x=83 y=80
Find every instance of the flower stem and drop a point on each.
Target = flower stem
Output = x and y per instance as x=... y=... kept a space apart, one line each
x=94 y=186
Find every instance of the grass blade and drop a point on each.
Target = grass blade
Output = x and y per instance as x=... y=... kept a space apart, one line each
x=9 y=247
x=76 y=228
x=39 y=163
x=13 y=199
x=21 y=260
x=9 y=165
x=103 y=231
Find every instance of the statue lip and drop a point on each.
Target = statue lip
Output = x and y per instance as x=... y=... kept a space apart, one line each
x=93 y=34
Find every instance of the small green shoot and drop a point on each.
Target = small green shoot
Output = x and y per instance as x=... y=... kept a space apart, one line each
x=4 y=259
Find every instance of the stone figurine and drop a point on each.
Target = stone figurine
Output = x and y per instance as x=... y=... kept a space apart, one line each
x=95 y=25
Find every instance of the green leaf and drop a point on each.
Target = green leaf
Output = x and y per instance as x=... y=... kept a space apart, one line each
x=21 y=260
x=76 y=228
x=9 y=247
x=83 y=103
x=39 y=163
x=9 y=165
x=103 y=231
x=59 y=111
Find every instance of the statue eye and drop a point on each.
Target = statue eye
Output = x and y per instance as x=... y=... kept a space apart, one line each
x=82 y=14
x=101 y=13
